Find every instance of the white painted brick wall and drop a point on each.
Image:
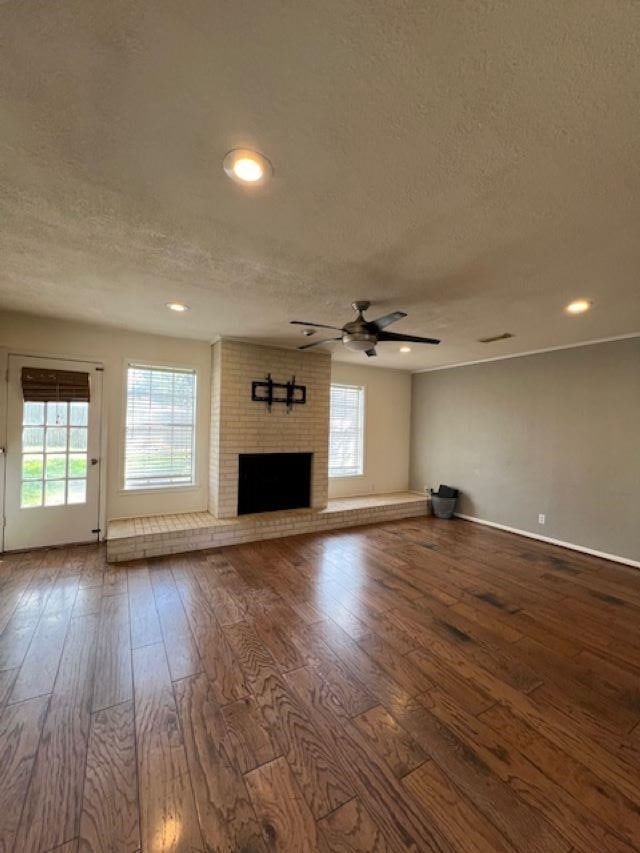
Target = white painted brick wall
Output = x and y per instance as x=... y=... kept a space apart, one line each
x=240 y=425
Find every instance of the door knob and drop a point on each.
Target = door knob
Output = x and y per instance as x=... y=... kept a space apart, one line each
x=94 y=461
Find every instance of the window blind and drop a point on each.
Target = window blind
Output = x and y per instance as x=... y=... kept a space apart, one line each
x=159 y=439
x=40 y=385
x=346 y=431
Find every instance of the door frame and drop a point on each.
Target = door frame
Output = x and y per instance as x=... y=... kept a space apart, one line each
x=4 y=399
x=5 y=353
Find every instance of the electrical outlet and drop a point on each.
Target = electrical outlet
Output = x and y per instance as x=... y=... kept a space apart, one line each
x=541 y=518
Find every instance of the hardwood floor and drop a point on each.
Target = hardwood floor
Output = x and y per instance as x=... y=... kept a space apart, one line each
x=420 y=685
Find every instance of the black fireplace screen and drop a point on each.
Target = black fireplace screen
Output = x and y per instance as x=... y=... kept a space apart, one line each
x=272 y=481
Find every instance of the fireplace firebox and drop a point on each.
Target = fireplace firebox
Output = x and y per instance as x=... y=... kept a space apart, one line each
x=271 y=481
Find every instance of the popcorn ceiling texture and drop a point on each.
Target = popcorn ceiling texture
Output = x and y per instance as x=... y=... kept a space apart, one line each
x=241 y=425
x=473 y=163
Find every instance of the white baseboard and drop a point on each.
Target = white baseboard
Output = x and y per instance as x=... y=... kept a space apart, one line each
x=613 y=557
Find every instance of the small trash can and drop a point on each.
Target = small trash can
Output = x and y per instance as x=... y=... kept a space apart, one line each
x=443 y=502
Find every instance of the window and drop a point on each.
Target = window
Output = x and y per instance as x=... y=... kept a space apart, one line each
x=346 y=431
x=159 y=435
x=54 y=453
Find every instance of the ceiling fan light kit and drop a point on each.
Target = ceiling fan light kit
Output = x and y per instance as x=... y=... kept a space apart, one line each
x=360 y=342
x=362 y=335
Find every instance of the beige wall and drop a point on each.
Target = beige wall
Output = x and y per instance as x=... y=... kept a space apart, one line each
x=387 y=402
x=387 y=426
x=556 y=433
x=24 y=334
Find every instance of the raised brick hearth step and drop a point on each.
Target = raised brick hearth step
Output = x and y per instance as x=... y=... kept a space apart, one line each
x=135 y=538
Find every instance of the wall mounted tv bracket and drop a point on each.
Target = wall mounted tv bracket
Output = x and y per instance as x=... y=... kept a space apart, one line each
x=270 y=392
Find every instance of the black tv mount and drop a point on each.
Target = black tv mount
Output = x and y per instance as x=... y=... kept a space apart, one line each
x=266 y=391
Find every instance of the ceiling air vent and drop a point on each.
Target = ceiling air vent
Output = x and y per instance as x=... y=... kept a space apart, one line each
x=502 y=337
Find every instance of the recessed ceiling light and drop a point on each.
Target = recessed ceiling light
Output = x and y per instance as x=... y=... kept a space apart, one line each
x=247 y=167
x=177 y=306
x=405 y=349
x=578 y=306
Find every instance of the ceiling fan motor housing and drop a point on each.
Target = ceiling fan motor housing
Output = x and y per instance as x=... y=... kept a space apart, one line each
x=362 y=335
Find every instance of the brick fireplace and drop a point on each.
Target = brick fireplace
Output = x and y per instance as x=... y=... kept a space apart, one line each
x=240 y=425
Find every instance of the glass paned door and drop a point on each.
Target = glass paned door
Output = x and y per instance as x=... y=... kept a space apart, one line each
x=52 y=488
x=54 y=454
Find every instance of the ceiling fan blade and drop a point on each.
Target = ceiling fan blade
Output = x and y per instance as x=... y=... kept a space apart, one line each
x=388 y=319
x=371 y=352
x=316 y=325
x=391 y=336
x=315 y=343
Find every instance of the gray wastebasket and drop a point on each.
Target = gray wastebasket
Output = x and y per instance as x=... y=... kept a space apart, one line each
x=443 y=502
x=443 y=507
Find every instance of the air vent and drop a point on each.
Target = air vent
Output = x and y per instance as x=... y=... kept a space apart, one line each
x=502 y=337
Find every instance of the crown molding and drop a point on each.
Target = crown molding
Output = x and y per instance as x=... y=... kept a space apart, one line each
x=529 y=352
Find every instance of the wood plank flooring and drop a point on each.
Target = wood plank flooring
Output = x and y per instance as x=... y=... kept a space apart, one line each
x=420 y=685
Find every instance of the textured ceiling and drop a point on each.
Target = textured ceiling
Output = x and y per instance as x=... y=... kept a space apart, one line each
x=475 y=164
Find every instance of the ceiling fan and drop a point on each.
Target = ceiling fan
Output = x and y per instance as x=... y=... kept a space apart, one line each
x=363 y=335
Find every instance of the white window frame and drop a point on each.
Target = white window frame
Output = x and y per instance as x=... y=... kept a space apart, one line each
x=361 y=468
x=165 y=487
